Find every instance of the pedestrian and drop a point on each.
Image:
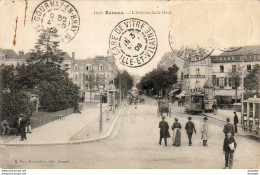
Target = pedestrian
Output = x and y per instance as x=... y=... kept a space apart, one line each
x=228 y=128
x=190 y=127
x=164 y=131
x=19 y=123
x=28 y=128
x=15 y=124
x=176 y=136
x=235 y=121
x=5 y=127
x=23 y=124
x=229 y=147
x=205 y=132
x=214 y=107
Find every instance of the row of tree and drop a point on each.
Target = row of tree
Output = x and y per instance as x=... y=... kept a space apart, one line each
x=159 y=79
x=41 y=78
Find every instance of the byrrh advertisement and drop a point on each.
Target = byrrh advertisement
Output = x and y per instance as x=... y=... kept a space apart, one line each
x=165 y=86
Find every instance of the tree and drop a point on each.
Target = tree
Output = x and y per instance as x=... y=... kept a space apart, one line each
x=252 y=80
x=43 y=75
x=159 y=79
x=14 y=100
x=46 y=49
x=124 y=82
x=235 y=77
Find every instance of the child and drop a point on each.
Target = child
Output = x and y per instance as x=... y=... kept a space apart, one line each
x=229 y=147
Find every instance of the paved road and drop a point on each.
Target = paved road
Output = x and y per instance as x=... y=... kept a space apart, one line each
x=134 y=144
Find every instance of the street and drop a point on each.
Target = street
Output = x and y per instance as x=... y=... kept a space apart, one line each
x=134 y=144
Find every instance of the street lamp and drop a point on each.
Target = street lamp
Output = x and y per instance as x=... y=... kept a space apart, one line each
x=101 y=117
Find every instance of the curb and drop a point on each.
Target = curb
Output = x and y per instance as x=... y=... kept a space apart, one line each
x=105 y=136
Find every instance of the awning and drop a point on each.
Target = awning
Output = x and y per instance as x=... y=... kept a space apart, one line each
x=229 y=93
x=182 y=94
x=173 y=91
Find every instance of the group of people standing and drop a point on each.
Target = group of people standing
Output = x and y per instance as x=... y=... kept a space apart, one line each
x=176 y=128
x=21 y=124
x=229 y=144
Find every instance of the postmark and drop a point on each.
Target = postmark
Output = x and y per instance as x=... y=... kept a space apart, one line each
x=133 y=42
x=58 y=16
x=191 y=53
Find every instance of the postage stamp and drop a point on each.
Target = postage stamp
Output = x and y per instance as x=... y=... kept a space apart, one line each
x=133 y=42
x=191 y=53
x=59 y=16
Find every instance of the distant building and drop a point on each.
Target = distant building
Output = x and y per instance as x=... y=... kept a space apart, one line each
x=241 y=59
x=195 y=74
x=94 y=75
x=10 y=57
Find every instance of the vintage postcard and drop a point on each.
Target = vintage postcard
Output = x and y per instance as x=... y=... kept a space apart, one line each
x=129 y=84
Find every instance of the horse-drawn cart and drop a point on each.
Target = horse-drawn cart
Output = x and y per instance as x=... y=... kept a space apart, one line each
x=163 y=107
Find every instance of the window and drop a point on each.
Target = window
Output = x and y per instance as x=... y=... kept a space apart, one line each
x=221 y=82
x=76 y=67
x=249 y=67
x=12 y=57
x=225 y=82
x=234 y=68
x=214 y=80
x=101 y=67
x=76 y=77
x=221 y=68
x=230 y=82
x=217 y=82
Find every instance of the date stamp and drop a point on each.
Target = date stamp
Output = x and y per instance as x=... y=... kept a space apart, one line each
x=133 y=42
x=59 y=16
x=190 y=53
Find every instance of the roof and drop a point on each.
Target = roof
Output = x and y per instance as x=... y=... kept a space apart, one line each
x=10 y=53
x=248 y=50
x=66 y=56
x=94 y=61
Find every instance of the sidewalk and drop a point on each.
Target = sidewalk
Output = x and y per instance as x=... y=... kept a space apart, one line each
x=60 y=131
x=222 y=115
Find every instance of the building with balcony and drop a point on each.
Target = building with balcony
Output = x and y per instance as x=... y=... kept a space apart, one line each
x=242 y=59
x=94 y=75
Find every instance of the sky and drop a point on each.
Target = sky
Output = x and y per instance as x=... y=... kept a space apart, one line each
x=217 y=24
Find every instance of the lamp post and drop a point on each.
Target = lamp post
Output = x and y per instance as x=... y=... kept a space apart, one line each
x=101 y=118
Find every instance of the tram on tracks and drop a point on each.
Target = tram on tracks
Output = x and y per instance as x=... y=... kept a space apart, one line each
x=198 y=101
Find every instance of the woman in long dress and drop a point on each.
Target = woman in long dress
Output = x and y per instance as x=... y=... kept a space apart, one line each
x=176 y=138
x=205 y=132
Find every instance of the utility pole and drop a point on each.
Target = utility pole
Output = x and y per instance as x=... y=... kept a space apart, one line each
x=100 y=119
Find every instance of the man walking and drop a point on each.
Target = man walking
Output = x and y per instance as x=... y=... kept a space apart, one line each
x=164 y=131
x=228 y=128
x=23 y=124
x=190 y=127
x=229 y=147
x=235 y=121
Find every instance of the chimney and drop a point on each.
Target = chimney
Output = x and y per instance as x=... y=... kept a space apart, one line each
x=73 y=55
x=21 y=54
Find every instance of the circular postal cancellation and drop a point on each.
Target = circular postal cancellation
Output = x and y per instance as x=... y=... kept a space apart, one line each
x=191 y=53
x=59 y=16
x=133 y=42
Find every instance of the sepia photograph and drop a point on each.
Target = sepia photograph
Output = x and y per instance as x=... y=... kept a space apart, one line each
x=129 y=85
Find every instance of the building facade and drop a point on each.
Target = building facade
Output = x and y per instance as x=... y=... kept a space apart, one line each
x=238 y=61
x=195 y=74
x=10 y=57
x=93 y=76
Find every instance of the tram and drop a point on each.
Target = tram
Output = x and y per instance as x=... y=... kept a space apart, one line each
x=198 y=101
